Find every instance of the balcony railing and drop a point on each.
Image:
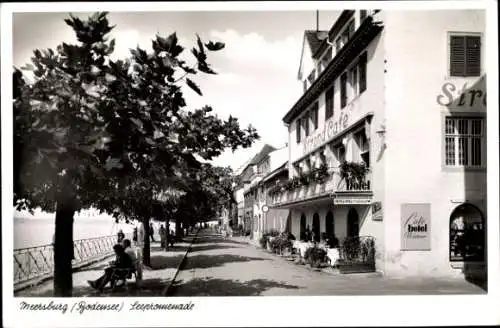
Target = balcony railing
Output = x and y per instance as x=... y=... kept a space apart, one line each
x=334 y=183
x=37 y=262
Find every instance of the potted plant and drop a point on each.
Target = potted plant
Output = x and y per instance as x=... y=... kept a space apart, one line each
x=315 y=256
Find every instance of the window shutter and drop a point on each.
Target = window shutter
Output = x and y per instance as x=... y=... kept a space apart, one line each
x=473 y=55
x=362 y=73
x=329 y=103
x=343 y=90
x=297 y=130
x=315 y=115
x=306 y=123
x=457 y=55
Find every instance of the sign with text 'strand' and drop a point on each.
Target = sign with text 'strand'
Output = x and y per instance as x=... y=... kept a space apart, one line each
x=416 y=227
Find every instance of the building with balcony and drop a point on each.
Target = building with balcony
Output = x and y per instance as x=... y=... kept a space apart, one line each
x=251 y=173
x=388 y=139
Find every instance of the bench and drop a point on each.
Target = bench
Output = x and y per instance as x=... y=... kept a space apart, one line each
x=123 y=274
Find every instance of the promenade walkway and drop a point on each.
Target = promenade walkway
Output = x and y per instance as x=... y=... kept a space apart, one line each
x=155 y=279
x=218 y=266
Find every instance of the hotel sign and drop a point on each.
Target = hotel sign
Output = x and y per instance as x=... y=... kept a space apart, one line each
x=416 y=227
x=331 y=128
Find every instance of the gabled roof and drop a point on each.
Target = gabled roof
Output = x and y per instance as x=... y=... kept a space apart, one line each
x=262 y=154
x=312 y=40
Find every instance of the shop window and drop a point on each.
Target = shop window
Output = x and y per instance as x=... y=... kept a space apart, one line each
x=465 y=55
x=464 y=142
x=467 y=234
x=316 y=227
x=303 y=227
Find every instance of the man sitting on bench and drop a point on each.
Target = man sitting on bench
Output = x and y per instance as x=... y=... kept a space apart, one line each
x=123 y=261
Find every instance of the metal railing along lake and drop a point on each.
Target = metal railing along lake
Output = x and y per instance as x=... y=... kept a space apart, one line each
x=38 y=262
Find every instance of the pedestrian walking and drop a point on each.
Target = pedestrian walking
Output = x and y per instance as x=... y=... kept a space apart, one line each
x=163 y=236
x=152 y=232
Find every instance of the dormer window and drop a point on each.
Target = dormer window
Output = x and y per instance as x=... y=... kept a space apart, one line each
x=312 y=77
x=362 y=15
x=304 y=84
x=325 y=60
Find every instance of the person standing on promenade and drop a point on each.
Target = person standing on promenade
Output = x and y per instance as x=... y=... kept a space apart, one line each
x=152 y=232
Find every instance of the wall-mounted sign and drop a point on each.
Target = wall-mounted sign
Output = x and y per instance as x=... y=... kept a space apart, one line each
x=416 y=227
x=331 y=128
x=265 y=208
x=377 y=214
x=352 y=201
x=464 y=97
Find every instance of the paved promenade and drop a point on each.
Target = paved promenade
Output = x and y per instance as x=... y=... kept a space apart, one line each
x=155 y=279
x=219 y=266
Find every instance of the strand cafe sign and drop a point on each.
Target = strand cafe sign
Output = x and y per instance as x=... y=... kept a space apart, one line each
x=331 y=128
x=415 y=227
x=465 y=97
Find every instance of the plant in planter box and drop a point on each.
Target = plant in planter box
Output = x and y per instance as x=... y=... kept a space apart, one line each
x=352 y=171
x=304 y=179
x=315 y=256
x=321 y=174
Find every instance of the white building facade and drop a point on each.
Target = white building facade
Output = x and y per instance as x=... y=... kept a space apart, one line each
x=393 y=116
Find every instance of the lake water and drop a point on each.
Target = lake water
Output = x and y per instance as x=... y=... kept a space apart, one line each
x=29 y=232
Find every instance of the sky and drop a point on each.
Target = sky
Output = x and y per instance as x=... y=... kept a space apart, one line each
x=257 y=81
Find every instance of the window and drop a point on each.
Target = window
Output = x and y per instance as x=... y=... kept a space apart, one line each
x=465 y=55
x=362 y=15
x=329 y=102
x=343 y=90
x=338 y=44
x=362 y=72
x=348 y=32
x=315 y=115
x=305 y=119
x=312 y=76
x=353 y=81
x=304 y=85
x=325 y=60
x=297 y=130
x=339 y=152
x=464 y=141
x=467 y=234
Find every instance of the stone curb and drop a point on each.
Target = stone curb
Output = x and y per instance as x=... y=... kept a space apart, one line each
x=169 y=285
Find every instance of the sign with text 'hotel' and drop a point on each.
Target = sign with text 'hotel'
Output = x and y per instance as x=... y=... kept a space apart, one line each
x=416 y=227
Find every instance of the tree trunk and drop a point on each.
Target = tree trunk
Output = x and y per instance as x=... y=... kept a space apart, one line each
x=146 y=250
x=63 y=248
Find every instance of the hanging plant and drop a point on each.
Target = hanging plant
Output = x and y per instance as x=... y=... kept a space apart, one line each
x=321 y=174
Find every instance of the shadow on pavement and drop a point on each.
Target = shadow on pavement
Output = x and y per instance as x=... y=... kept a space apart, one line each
x=218 y=240
x=210 y=261
x=160 y=262
x=170 y=249
x=148 y=288
x=225 y=287
x=208 y=247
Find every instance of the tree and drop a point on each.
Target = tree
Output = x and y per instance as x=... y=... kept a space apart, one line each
x=90 y=131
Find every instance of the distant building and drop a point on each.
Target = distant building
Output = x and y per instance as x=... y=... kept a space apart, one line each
x=389 y=138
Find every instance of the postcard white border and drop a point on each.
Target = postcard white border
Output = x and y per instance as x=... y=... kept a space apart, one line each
x=265 y=311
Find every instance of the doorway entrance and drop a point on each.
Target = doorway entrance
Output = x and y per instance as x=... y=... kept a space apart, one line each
x=352 y=223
